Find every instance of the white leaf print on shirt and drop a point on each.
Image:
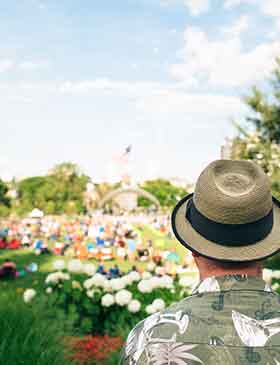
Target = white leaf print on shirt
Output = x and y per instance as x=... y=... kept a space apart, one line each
x=137 y=342
x=208 y=285
x=167 y=354
x=252 y=332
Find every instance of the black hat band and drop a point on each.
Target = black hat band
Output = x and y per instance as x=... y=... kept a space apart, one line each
x=229 y=234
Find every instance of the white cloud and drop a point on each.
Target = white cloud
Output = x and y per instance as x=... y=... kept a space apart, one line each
x=160 y=98
x=229 y=4
x=240 y=26
x=197 y=7
x=6 y=65
x=177 y=102
x=223 y=62
x=271 y=7
x=31 y=65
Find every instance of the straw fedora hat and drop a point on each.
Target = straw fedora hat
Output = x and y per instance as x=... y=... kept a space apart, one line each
x=231 y=216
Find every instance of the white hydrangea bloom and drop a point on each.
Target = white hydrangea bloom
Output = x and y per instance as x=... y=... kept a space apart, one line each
x=107 y=286
x=187 y=281
x=123 y=297
x=117 y=284
x=88 y=283
x=146 y=275
x=58 y=265
x=75 y=266
x=98 y=280
x=135 y=276
x=155 y=282
x=145 y=286
x=150 y=309
x=28 y=295
x=134 y=306
x=49 y=290
x=90 y=293
x=127 y=280
x=158 y=304
x=107 y=300
x=276 y=274
x=166 y=281
x=57 y=277
x=89 y=269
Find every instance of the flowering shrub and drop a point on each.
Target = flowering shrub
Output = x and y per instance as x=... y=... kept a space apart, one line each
x=100 y=306
x=94 y=349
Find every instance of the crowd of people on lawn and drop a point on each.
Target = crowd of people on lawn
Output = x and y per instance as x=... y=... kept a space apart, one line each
x=99 y=237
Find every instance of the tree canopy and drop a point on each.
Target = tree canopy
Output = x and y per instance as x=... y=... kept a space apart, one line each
x=259 y=137
x=167 y=193
x=61 y=191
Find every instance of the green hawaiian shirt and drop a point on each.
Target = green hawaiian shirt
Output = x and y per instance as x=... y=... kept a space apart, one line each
x=227 y=320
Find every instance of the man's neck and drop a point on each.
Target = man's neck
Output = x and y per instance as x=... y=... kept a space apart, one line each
x=251 y=271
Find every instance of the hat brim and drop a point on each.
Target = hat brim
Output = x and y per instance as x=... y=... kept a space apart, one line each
x=192 y=240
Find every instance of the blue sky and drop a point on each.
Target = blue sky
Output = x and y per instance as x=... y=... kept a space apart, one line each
x=80 y=80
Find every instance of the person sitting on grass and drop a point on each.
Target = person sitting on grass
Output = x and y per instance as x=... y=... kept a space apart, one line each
x=8 y=270
x=114 y=272
x=101 y=270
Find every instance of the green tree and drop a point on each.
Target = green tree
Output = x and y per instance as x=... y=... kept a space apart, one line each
x=167 y=193
x=259 y=137
x=62 y=190
x=266 y=109
x=4 y=200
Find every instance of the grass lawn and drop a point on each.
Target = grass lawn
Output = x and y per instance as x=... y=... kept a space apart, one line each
x=24 y=257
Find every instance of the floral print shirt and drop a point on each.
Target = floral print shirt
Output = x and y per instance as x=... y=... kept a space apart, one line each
x=228 y=320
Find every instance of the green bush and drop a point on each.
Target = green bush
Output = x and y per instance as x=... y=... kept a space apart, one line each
x=82 y=310
x=26 y=337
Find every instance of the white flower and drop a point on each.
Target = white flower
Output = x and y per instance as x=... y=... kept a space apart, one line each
x=49 y=290
x=107 y=286
x=155 y=282
x=107 y=300
x=97 y=280
x=117 y=284
x=134 y=306
x=59 y=265
x=267 y=275
x=37 y=252
x=166 y=282
x=135 y=276
x=75 y=266
x=186 y=281
x=275 y=286
x=57 y=277
x=90 y=293
x=150 y=309
x=276 y=274
x=89 y=269
x=144 y=286
x=146 y=275
x=151 y=266
x=28 y=295
x=158 y=304
x=123 y=297
x=127 y=280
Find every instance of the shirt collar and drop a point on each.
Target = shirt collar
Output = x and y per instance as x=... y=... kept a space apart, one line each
x=231 y=282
